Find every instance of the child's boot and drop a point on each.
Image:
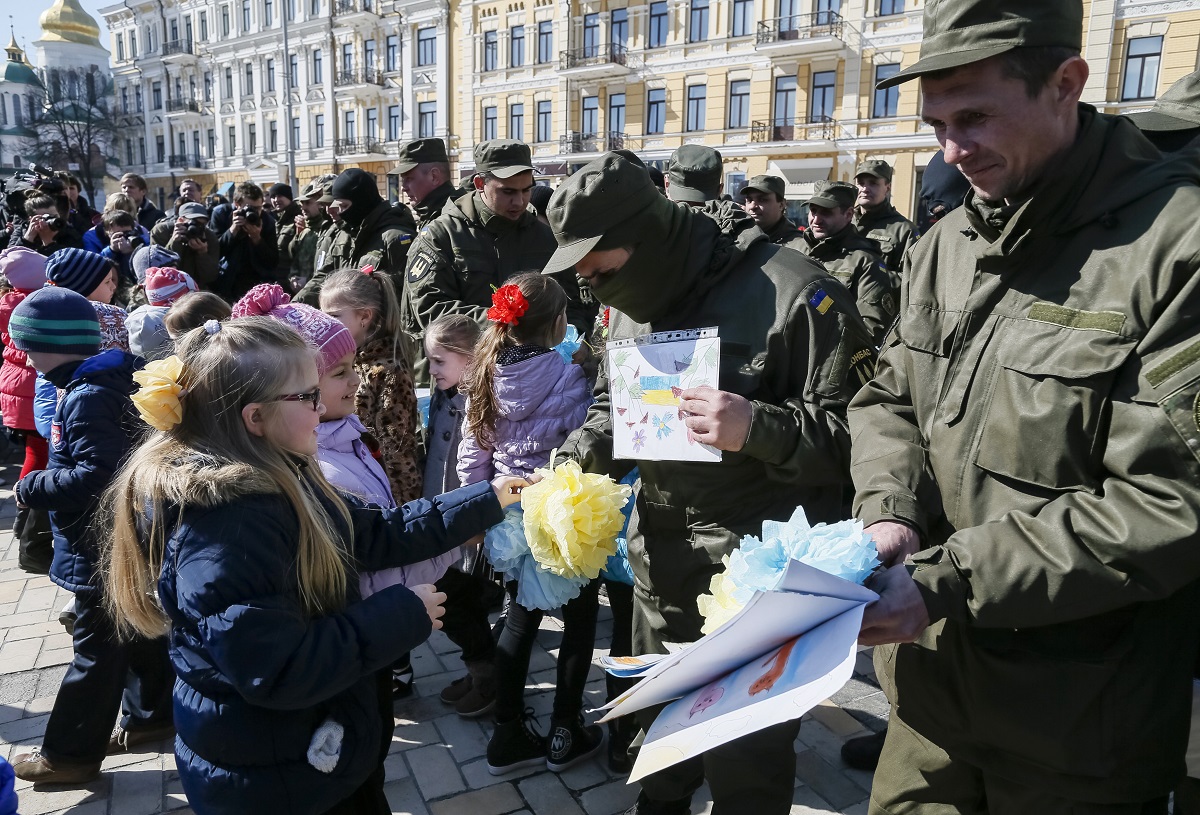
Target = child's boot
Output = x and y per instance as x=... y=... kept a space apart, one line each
x=571 y=742
x=456 y=690
x=480 y=698
x=515 y=744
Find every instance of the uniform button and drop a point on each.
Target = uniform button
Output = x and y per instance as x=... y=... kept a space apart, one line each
x=446 y=435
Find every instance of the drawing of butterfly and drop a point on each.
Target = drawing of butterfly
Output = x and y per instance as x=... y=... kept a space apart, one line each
x=662 y=425
x=685 y=363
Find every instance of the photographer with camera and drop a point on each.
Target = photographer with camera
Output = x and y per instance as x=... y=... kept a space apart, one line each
x=249 y=252
x=79 y=212
x=198 y=247
x=124 y=238
x=44 y=230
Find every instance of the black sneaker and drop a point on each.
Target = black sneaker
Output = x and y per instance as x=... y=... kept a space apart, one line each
x=515 y=745
x=402 y=684
x=571 y=742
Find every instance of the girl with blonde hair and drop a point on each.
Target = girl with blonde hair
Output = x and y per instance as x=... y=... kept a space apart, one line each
x=226 y=534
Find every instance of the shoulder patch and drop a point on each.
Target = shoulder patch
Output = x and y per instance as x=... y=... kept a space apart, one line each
x=419 y=265
x=405 y=240
x=821 y=301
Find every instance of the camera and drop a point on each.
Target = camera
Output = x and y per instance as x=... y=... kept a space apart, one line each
x=250 y=215
x=55 y=222
x=197 y=231
x=45 y=181
x=135 y=239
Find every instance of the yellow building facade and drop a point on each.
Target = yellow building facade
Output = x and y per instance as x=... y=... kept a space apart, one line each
x=778 y=86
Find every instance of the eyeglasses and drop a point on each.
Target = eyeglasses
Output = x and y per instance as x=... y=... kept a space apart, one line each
x=313 y=396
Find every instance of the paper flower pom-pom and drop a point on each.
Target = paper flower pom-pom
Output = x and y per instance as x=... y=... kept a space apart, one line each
x=842 y=549
x=157 y=400
x=508 y=552
x=570 y=344
x=572 y=519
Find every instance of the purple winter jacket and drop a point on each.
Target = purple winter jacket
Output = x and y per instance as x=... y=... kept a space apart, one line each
x=542 y=401
x=348 y=464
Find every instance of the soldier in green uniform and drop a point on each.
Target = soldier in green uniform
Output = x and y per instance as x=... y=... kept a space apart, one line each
x=424 y=171
x=481 y=240
x=1031 y=443
x=693 y=175
x=303 y=233
x=793 y=352
x=854 y=260
x=766 y=203
x=876 y=219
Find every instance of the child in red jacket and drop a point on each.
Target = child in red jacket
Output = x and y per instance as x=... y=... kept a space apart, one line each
x=24 y=271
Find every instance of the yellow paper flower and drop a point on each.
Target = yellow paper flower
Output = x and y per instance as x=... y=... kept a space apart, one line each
x=719 y=605
x=157 y=400
x=572 y=519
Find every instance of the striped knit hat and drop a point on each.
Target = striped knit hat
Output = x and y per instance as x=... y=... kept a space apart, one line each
x=79 y=270
x=166 y=285
x=54 y=320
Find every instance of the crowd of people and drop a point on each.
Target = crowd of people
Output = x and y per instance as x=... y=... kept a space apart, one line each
x=227 y=463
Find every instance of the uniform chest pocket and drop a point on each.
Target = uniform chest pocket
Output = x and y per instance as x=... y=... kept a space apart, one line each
x=887 y=243
x=741 y=371
x=1048 y=408
x=474 y=262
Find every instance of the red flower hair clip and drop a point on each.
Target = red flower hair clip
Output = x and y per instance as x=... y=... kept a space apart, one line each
x=508 y=305
x=367 y=269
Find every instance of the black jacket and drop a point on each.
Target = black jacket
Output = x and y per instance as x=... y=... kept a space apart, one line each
x=243 y=264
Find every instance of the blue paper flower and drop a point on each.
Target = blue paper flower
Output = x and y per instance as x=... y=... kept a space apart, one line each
x=570 y=344
x=508 y=552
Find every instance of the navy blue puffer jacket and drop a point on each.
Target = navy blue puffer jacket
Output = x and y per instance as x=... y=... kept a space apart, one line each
x=94 y=429
x=256 y=676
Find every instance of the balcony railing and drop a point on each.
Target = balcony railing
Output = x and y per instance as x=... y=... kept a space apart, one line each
x=181 y=105
x=177 y=47
x=610 y=54
x=348 y=147
x=181 y=161
x=352 y=6
x=367 y=76
x=800 y=27
x=594 y=142
x=821 y=129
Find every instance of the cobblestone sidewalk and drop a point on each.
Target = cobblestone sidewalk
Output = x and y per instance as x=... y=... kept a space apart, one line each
x=436 y=765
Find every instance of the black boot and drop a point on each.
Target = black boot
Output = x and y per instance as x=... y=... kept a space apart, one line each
x=863 y=752
x=36 y=542
x=515 y=744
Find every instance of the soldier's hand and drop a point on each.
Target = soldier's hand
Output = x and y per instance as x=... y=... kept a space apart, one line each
x=894 y=541
x=716 y=418
x=899 y=615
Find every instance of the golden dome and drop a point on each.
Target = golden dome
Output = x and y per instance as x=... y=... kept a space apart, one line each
x=66 y=21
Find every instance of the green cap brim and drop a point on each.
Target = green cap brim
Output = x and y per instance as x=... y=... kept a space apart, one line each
x=404 y=166
x=944 y=62
x=567 y=256
x=509 y=172
x=822 y=201
x=1155 y=122
x=749 y=187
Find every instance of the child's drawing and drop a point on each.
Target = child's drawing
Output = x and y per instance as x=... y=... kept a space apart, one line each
x=647 y=375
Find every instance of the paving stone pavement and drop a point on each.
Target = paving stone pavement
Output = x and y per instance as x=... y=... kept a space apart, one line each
x=436 y=765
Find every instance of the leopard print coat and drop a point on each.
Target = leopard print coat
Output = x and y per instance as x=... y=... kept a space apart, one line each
x=386 y=403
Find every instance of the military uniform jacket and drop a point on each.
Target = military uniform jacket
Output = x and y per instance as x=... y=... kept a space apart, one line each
x=429 y=209
x=466 y=253
x=786 y=233
x=792 y=343
x=892 y=231
x=855 y=262
x=1036 y=416
x=381 y=240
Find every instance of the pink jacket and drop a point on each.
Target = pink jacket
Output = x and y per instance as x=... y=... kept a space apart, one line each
x=16 y=377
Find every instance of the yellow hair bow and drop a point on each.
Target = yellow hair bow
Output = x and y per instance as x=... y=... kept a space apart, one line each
x=157 y=400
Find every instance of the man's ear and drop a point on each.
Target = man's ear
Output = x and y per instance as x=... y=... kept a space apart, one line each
x=478 y=182
x=254 y=420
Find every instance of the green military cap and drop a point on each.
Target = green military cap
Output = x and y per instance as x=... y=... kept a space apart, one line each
x=311 y=190
x=420 y=151
x=834 y=195
x=602 y=195
x=326 y=191
x=767 y=184
x=960 y=32
x=503 y=158
x=1177 y=109
x=694 y=173
x=875 y=167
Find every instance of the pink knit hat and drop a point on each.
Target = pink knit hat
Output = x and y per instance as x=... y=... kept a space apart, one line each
x=24 y=268
x=165 y=285
x=332 y=339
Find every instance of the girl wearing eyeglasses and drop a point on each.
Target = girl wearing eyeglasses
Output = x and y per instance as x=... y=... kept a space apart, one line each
x=228 y=536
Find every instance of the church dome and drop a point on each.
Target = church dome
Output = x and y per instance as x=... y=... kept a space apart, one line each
x=17 y=69
x=66 y=21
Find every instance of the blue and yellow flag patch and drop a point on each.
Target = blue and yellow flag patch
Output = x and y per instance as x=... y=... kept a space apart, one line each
x=821 y=301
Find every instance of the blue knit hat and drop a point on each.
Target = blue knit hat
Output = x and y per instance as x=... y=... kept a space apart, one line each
x=79 y=270
x=57 y=321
